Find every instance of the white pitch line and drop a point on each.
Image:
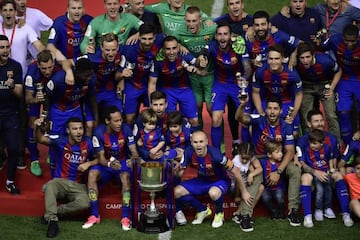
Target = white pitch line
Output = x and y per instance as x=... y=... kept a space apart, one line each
x=217 y=8
x=165 y=235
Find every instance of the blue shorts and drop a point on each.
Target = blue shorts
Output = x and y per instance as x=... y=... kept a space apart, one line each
x=201 y=186
x=132 y=96
x=107 y=173
x=346 y=89
x=34 y=110
x=108 y=98
x=297 y=118
x=58 y=119
x=221 y=93
x=88 y=114
x=185 y=98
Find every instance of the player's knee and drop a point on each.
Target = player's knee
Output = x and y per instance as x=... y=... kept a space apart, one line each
x=179 y=192
x=214 y=193
x=83 y=203
x=344 y=121
x=336 y=176
x=194 y=122
x=306 y=179
x=216 y=119
x=130 y=119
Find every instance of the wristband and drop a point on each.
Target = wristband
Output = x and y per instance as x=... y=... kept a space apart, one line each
x=279 y=171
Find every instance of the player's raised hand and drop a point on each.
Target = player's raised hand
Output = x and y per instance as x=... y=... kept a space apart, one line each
x=203 y=61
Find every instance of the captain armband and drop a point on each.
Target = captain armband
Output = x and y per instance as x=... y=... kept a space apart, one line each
x=227 y=163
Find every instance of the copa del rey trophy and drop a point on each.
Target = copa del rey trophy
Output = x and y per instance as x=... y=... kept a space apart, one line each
x=242 y=83
x=152 y=181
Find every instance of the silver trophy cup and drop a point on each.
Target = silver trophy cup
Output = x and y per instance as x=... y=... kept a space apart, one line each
x=242 y=83
x=153 y=220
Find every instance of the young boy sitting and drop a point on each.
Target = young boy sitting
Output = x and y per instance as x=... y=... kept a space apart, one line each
x=273 y=193
x=318 y=157
x=151 y=140
x=178 y=134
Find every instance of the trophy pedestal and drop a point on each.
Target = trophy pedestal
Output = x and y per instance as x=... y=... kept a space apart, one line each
x=153 y=220
x=153 y=224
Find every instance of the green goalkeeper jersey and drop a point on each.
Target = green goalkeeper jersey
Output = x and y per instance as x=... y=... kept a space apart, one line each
x=171 y=20
x=101 y=25
x=196 y=42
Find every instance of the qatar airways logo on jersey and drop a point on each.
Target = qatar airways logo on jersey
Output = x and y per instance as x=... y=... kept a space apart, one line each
x=75 y=42
x=228 y=62
x=174 y=72
x=75 y=97
x=107 y=71
x=145 y=65
x=276 y=89
x=74 y=158
x=265 y=137
x=350 y=62
x=172 y=26
x=196 y=49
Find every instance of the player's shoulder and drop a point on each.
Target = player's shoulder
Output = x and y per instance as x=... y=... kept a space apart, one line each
x=87 y=140
x=223 y=18
x=87 y=18
x=60 y=20
x=100 y=130
x=303 y=140
x=59 y=75
x=215 y=153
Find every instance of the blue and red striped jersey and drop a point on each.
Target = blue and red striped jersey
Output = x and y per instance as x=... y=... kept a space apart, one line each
x=348 y=59
x=323 y=69
x=262 y=131
x=284 y=85
x=113 y=144
x=69 y=157
x=67 y=36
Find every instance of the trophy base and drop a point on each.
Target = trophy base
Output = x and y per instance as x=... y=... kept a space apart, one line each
x=153 y=224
